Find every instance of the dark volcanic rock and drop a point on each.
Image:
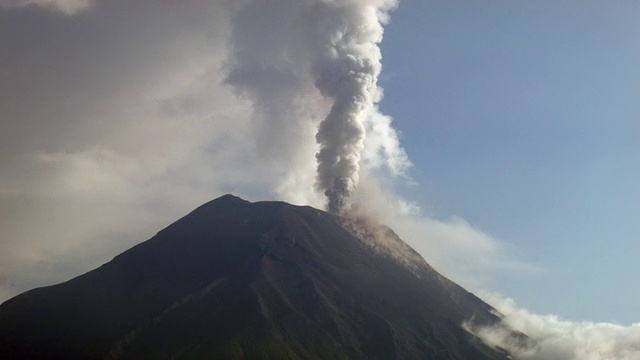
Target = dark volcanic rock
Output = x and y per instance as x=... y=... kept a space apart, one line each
x=264 y=280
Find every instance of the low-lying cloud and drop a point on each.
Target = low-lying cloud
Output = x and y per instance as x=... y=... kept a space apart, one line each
x=557 y=338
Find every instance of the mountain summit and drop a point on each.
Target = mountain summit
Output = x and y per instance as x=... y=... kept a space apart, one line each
x=264 y=280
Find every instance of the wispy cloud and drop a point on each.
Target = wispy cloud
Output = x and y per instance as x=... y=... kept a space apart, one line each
x=453 y=246
x=67 y=7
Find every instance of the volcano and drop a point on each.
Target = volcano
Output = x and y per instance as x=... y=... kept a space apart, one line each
x=241 y=280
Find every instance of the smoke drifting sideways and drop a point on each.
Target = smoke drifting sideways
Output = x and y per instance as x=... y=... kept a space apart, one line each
x=321 y=54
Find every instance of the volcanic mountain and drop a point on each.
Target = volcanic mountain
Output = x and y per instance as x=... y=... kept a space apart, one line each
x=241 y=280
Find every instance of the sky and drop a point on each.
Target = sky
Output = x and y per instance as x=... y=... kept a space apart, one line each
x=523 y=118
x=501 y=138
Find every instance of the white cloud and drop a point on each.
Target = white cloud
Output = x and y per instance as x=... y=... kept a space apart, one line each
x=382 y=145
x=111 y=129
x=557 y=338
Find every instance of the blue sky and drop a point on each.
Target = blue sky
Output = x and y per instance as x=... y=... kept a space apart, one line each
x=523 y=118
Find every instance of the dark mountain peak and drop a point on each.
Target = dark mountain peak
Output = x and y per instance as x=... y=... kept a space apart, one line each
x=228 y=200
x=268 y=280
x=224 y=203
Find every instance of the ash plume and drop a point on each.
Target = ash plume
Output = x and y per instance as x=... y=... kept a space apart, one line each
x=347 y=70
x=324 y=53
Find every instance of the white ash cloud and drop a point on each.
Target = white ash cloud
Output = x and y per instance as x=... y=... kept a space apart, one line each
x=316 y=67
x=119 y=117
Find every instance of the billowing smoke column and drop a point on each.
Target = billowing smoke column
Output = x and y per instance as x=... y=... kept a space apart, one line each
x=347 y=71
x=313 y=51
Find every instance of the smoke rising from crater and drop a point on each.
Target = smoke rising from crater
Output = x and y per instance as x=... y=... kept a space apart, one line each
x=319 y=67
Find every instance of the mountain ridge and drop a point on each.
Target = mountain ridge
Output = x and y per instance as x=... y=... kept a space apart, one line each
x=235 y=279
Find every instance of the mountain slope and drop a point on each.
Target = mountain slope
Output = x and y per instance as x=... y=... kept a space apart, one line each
x=264 y=280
